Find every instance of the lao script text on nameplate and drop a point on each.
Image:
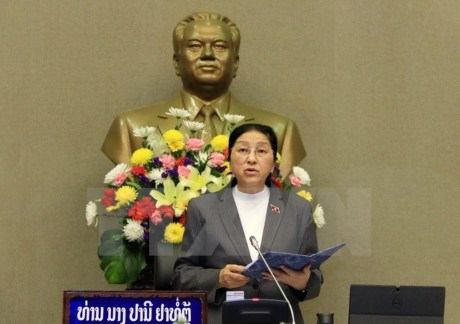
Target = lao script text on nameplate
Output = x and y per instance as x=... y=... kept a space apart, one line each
x=129 y=307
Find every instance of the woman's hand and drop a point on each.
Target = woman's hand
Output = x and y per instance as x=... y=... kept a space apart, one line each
x=296 y=279
x=231 y=276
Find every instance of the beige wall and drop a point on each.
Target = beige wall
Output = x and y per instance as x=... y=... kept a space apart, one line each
x=373 y=85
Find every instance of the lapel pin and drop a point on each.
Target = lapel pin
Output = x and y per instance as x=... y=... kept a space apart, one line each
x=275 y=209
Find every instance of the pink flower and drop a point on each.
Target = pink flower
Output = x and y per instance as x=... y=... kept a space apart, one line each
x=167 y=211
x=216 y=159
x=295 y=181
x=168 y=161
x=119 y=179
x=183 y=171
x=194 y=144
x=155 y=217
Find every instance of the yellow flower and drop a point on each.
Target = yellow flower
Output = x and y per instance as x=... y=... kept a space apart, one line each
x=227 y=169
x=197 y=181
x=141 y=156
x=305 y=194
x=112 y=208
x=177 y=196
x=219 y=143
x=174 y=233
x=278 y=158
x=217 y=183
x=174 y=139
x=125 y=195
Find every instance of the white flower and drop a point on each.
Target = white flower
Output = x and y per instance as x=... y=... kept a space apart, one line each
x=178 y=112
x=193 y=126
x=144 y=131
x=91 y=214
x=133 y=231
x=114 y=174
x=233 y=119
x=155 y=174
x=302 y=175
x=203 y=157
x=318 y=216
x=157 y=144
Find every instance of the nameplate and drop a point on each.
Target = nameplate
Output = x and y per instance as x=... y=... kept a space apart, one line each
x=135 y=306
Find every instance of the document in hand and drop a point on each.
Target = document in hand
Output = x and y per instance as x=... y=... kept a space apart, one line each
x=293 y=261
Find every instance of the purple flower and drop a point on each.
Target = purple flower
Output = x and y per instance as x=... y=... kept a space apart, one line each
x=143 y=179
x=221 y=169
x=188 y=161
x=157 y=162
x=173 y=173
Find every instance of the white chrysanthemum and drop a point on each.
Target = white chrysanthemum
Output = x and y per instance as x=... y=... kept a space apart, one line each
x=115 y=172
x=91 y=214
x=155 y=174
x=178 y=112
x=318 y=216
x=233 y=119
x=203 y=157
x=144 y=131
x=193 y=126
x=302 y=175
x=157 y=144
x=133 y=231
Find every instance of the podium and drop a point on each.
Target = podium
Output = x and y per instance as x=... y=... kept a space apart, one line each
x=135 y=306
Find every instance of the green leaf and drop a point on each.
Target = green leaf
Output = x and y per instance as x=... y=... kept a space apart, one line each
x=121 y=260
x=132 y=266
x=110 y=248
x=115 y=273
x=107 y=260
x=110 y=235
x=133 y=184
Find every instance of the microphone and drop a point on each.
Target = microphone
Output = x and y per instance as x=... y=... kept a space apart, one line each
x=255 y=244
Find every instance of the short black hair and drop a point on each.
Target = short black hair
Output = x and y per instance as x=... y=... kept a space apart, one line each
x=264 y=129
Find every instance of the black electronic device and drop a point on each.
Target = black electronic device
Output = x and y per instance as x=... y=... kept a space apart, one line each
x=255 y=311
x=379 y=304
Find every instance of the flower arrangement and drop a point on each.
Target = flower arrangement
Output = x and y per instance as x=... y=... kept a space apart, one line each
x=298 y=179
x=149 y=197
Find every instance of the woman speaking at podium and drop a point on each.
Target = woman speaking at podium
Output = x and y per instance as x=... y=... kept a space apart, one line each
x=216 y=246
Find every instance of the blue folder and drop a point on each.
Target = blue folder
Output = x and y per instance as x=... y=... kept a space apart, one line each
x=293 y=261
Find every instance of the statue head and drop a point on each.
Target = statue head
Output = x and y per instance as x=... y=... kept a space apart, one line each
x=206 y=57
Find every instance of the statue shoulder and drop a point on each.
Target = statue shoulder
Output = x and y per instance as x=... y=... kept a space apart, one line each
x=256 y=114
x=150 y=115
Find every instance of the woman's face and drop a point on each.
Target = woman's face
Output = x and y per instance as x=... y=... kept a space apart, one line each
x=252 y=159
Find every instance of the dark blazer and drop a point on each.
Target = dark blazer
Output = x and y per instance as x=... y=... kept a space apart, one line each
x=214 y=237
x=120 y=143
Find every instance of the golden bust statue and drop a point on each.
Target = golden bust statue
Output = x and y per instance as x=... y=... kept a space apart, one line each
x=206 y=47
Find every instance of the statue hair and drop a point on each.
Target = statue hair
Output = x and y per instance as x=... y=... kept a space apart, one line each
x=178 y=33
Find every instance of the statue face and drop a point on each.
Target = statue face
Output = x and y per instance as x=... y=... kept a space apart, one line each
x=207 y=62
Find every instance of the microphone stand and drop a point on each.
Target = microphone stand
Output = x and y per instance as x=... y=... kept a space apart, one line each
x=255 y=244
